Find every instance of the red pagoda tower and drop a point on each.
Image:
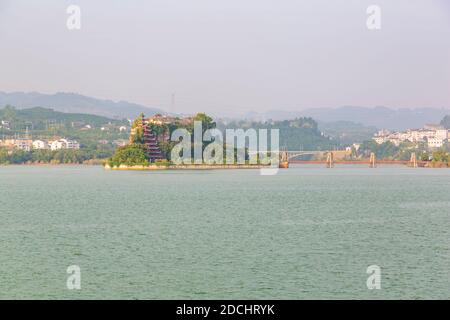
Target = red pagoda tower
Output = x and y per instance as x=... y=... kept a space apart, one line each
x=151 y=143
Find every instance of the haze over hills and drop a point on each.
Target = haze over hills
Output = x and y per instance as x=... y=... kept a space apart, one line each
x=379 y=117
x=75 y=103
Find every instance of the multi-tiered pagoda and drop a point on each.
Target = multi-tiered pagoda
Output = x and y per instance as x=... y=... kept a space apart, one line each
x=150 y=142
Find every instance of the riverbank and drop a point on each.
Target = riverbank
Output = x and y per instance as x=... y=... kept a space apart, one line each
x=92 y=162
x=188 y=167
x=436 y=164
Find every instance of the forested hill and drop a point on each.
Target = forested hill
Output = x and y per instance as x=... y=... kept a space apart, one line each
x=41 y=118
x=297 y=134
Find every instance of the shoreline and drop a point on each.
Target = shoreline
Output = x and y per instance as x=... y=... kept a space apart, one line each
x=188 y=167
x=51 y=165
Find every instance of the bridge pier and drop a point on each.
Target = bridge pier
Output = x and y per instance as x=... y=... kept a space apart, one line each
x=284 y=160
x=372 y=161
x=319 y=154
x=413 y=160
x=330 y=160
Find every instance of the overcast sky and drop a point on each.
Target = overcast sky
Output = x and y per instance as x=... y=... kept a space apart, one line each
x=231 y=56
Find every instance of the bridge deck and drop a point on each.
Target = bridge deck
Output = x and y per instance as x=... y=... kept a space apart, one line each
x=367 y=162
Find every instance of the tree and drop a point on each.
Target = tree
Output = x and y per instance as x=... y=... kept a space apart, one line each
x=207 y=122
x=130 y=155
x=446 y=122
x=425 y=156
x=138 y=131
x=10 y=113
x=385 y=150
x=441 y=156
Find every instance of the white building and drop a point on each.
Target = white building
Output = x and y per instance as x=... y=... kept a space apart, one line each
x=435 y=143
x=435 y=136
x=39 y=144
x=64 y=144
x=380 y=140
x=442 y=134
x=56 y=145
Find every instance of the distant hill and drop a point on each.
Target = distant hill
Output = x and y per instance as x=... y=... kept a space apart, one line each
x=347 y=132
x=41 y=118
x=379 y=117
x=75 y=103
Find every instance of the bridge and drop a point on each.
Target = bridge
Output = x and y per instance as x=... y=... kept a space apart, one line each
x=338 y=157
x=316 y=153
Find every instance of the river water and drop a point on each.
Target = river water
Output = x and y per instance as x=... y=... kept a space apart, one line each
x=306 y=233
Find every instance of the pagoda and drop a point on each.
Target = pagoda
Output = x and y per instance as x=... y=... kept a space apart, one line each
x=150 y=142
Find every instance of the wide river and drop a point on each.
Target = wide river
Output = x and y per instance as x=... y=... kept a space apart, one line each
x=306 y=233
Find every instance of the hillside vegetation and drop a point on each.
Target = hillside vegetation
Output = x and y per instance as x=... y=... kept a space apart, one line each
x=43 y=119
x=298 y=134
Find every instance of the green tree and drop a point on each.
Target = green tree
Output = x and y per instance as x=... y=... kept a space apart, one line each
x=441 y=156
x=138 y=131
x=446 y=122
x=385 y=150
x=130 y=155
x=207 y=122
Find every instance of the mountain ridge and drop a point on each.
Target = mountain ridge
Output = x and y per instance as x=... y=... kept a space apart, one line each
x=69 y=102
x=379 y=116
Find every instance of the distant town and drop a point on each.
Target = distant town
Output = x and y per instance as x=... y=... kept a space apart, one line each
x=433 y=135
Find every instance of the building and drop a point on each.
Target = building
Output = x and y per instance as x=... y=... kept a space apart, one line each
x=23 y=144
x=435 y=143
x=5 y=125
x=442 y=134
x=434 y=136
x=160 y=120
x=40 y=144
x=19 y=143
x=381 y=139
x=56 y=145
x=64 y=144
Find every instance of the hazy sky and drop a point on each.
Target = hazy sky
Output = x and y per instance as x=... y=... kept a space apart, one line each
x=232 y=56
